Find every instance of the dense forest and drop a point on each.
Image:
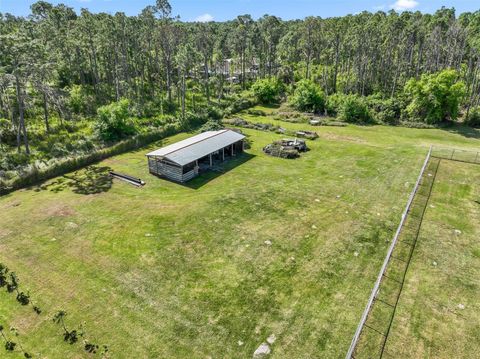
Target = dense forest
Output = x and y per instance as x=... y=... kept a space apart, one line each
x=73 y=83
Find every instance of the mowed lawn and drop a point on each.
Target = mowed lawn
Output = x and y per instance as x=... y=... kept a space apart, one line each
x=212 y=268
x=439 y=310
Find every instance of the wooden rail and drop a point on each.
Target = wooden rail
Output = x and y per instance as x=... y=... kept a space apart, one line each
x=132 y=180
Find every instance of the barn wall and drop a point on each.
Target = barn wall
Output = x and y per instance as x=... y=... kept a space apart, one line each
x=163 y=169
x=189 y=175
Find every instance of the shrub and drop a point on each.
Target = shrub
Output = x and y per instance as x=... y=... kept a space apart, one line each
x=386 y=111
x=80 y=100
x=238 y=105
x=112 y=121
x=212 y=125
x=71 y=337
x=12 y=160
x=10 y=346
x=7 y=132
x=267 y=90
x=334 y=103
x=213 y=112
x=473 y=118
x=255 y=112
x=308 y=97
x=434 y=97
x=23 y=298
x=354 y=109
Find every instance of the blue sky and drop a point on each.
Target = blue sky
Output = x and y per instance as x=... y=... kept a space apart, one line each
x=221 y=10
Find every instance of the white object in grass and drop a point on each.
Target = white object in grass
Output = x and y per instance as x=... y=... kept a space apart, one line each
x=262 y=351
x=271 y=339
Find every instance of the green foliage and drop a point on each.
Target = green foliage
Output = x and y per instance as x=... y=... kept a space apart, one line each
x=387 y=111
x=113 y=121
x=80 y=101
x=71 y=337
x=308 y=97
x=13 y=284
x=268 y=90
x=10 y=346
x=3 y=275
x=213 y=112
x=473 y=118
x=212 y=125
x=434 y=98
x=7 y=132
x=239 y=104
x=334 y=103
x=354 y=109
x=255 y=112
x=91 y=348
x=13 y=160
x=23 y=298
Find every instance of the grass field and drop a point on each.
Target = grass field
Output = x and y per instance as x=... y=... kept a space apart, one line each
x=212 y=268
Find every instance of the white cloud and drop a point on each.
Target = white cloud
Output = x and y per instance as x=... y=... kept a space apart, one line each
x=401 y=5
x=204 y=18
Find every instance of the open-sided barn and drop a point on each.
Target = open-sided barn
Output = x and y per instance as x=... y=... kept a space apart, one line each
x=183 y=160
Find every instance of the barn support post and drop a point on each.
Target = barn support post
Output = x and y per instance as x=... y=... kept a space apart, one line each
x=211 y=161
x=223 y=154
x=233 y=150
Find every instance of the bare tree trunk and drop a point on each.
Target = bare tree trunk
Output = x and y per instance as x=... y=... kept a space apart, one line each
x=337 y=57
x=207 y=76
x=45 y=113
x=21 y=124
x=169 y=80
x=184 y=91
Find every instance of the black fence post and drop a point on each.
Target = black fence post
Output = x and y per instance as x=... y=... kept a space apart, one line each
x=453 y=152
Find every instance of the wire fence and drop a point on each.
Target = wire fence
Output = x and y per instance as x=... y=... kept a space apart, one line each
x=372 y=333
x=361 y=343
x=455 y=154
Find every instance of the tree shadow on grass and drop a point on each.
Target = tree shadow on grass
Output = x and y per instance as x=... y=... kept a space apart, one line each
x=464 y=130
x=91 y=180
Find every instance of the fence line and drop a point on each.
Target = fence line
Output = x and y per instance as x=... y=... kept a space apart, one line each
x=456 y=154
x=392 y=317
x=376 y=287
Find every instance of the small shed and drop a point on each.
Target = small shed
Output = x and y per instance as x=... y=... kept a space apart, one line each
x=182 y=161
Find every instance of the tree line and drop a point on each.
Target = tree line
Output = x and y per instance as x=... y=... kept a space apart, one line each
x=56 y=63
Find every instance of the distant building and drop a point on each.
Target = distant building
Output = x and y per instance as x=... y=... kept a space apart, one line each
x=183 y=160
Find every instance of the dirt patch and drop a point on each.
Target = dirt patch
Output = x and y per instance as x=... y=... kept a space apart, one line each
x=5 y=232
x=60 y=211
x=335 y=137
x=14 y=203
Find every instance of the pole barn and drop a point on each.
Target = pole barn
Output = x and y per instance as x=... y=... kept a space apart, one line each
x=183 y=160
